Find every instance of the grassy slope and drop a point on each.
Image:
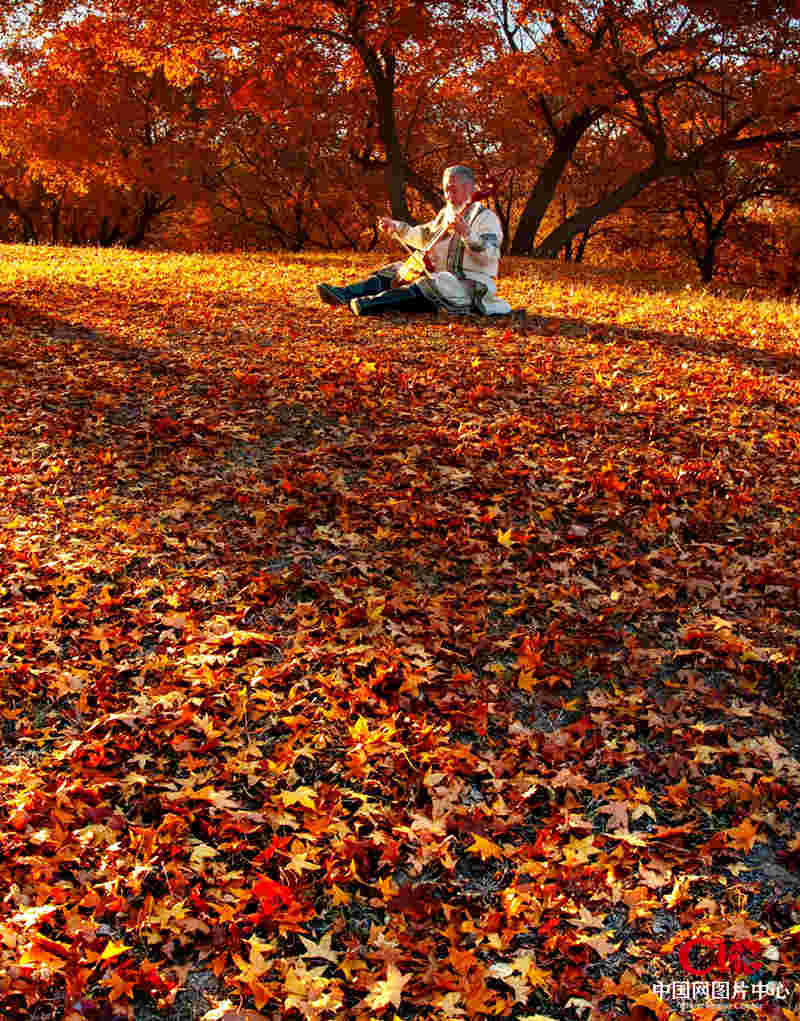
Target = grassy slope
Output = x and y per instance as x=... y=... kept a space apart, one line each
x=362 y=667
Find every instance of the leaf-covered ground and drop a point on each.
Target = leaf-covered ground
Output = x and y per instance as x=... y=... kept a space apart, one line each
x=415 y=668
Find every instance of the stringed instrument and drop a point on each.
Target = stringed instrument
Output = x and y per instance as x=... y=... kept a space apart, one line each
x=419 y=261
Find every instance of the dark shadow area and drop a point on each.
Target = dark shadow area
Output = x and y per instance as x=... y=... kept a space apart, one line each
x=158 y=363
x=142 y=422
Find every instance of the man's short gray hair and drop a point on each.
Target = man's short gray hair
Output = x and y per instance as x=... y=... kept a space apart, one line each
x=463 y=172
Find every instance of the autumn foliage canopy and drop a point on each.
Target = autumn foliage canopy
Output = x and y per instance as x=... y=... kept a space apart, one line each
x=294 y=125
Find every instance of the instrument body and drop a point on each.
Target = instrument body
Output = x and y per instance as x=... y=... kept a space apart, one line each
x=419 y=261
x=418 y=264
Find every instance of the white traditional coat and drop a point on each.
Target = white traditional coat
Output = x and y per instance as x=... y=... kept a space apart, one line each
x=464 y=275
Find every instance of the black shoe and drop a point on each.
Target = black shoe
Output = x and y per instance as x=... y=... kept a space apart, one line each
x=333 y=295
x=344 y=295
x=402 y=299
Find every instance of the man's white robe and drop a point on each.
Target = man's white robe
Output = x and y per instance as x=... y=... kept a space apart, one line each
x=464 y=275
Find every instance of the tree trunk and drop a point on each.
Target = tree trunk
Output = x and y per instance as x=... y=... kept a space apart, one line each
x=300 y=236
x=395 y=172
x=395 y=178
x=151 y=208
x=568 y=245
x=23 y=216
x=107 y=235
x=661 y=168
x=583 y=219
x=706 y=263
x=29 y=234
x=382 y=75
x=55 y=221
x=714 y=235
x=545 y=188
x=582 y=246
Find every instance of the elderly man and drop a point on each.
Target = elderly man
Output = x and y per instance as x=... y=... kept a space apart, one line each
x=464 y=261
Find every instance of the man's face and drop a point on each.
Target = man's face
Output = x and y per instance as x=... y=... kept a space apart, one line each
x=457 y=189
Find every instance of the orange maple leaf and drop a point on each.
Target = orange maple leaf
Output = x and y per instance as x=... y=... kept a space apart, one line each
x=742 y=836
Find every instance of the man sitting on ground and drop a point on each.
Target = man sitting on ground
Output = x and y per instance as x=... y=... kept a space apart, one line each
x=464 y=261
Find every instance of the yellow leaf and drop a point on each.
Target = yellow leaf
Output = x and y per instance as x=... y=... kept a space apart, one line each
x=652 y=1002
x=486 y=848
x=504 y=538
x=38 y=955
x=113 y=950
x=322 y=950
x=577 y=852
x=600 y=944
x=742 y=836
x=387 y=887
x=340 y=896
x=304 y=796
x=200 y=855
x=300 y=861
x=119 y=986
x=389 y=990
x=360 y=729
x=219 y=799
x=528 y=681
x=538 y=978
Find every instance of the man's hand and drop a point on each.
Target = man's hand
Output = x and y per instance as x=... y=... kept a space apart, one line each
x=460 y=226
x=387 y=224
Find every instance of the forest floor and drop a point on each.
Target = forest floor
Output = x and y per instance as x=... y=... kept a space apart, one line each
x=395 y=668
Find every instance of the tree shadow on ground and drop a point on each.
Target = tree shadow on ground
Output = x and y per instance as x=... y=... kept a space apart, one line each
x=94 y=412
x=776 y=362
